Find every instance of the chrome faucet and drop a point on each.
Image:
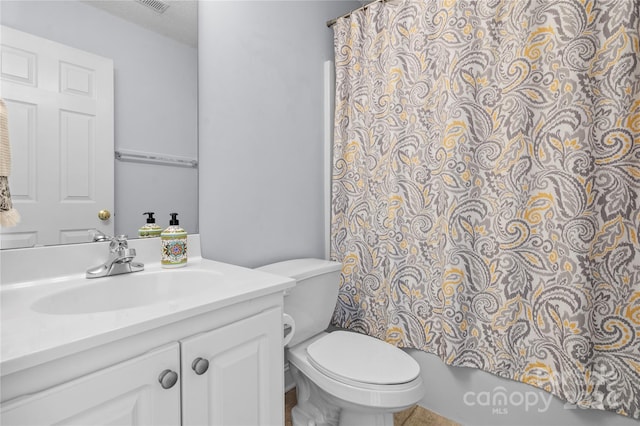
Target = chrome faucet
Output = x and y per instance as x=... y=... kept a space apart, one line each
x=120 y=260
x=98 y=235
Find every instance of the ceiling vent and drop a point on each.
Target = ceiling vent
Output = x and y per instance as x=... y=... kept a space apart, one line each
x=155 y=5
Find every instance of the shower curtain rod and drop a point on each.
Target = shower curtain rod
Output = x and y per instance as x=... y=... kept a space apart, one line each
x=332 y=22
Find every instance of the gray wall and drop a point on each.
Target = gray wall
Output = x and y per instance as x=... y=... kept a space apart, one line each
x=467 y=395
x=155 y=103
x=261 y=128
x=261 y=181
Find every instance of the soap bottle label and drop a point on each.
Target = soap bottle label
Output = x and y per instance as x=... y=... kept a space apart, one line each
x=174 y=251
x=149 y=231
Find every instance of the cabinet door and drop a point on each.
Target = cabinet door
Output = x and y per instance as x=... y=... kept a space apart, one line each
x=128 y=393
x=243 y=384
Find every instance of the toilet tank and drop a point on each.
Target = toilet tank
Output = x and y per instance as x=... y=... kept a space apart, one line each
x=313 y=299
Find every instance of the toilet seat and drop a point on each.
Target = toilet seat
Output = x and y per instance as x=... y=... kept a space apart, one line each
x=358 y=360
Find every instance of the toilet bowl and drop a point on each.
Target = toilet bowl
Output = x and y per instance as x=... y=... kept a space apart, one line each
x=346 y=378
x=342 y=378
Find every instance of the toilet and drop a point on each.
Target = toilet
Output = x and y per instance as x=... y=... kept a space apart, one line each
x=341 y=377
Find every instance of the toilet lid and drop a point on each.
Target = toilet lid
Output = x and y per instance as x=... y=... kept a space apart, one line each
x=353 y=357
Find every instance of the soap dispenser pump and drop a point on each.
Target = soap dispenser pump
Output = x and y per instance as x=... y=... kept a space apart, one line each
x=174 y=244
x=150 y=229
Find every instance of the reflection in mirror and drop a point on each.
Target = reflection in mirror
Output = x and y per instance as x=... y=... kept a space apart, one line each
x=62 y=144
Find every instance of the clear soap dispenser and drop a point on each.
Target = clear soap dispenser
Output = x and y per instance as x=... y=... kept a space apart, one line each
x=174 y=244
x=149 y=229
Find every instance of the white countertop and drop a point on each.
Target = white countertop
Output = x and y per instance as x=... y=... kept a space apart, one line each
x=30 y=338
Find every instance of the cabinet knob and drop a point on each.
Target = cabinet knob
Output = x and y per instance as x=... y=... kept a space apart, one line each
x=168 y=378
x=200 y=365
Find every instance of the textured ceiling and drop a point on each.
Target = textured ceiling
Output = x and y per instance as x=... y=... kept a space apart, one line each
x=179 y=21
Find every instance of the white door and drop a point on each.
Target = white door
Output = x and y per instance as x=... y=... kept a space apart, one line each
x=129 y=393
x=243 y=384
x=60 y=108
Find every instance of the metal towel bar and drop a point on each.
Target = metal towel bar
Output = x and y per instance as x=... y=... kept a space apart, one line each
x=155 y=158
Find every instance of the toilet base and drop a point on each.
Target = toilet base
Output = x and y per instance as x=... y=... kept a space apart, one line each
x=315 y=407
x=311 y=408
x=310 y=415
x=356 y=418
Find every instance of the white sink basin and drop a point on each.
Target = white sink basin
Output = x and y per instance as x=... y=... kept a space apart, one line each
x=127 y=291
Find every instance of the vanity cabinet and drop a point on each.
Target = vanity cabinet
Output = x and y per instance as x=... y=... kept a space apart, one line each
x=231 y=375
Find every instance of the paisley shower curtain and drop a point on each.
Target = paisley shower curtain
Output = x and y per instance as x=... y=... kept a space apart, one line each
x=486 y=183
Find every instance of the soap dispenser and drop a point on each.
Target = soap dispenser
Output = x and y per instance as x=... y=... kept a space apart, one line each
x=150 y=229
x=174 y=244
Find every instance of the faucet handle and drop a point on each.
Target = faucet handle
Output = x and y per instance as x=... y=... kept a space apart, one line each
x=98 y=235
x=118 y=243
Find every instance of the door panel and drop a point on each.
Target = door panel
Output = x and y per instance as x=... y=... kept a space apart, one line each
x=244 y=382
x=125 y=394
x=61 y=127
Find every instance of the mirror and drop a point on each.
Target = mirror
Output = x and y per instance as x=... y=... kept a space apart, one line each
x=154 y=59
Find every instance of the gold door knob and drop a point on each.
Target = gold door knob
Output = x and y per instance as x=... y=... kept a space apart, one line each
x=104 y=214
